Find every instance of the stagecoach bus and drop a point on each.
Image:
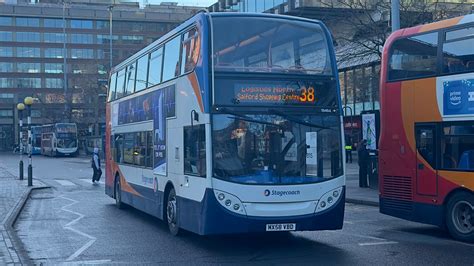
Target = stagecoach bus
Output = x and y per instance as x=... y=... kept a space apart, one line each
x=427 y=125
x=59 y=139
x=230 y=123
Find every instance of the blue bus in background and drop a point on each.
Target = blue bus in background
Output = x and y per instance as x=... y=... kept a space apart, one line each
x=35 y=140
x=230 y=123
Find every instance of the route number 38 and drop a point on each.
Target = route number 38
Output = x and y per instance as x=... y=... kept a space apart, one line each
x=307 y=95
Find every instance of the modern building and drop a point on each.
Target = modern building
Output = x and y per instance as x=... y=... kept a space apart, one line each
x=359 y=29
x=45 y=43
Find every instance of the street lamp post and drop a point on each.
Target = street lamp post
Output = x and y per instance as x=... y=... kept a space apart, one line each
x=28 y=102
x=65 y=68
x=395 y=15
x=20 y=108
x=111 y=7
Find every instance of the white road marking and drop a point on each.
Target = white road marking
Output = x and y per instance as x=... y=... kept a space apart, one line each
x=89 y=180
x=378 y=243
x=65 y=182
x=69 y=225
x=87 y=262
x=348 y=222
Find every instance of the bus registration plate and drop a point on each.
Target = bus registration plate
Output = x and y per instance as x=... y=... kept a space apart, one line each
x=281 y=227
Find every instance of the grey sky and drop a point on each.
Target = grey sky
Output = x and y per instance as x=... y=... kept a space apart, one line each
x=205 y=3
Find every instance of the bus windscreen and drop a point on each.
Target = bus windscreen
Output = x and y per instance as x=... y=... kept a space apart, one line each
x=270 y=45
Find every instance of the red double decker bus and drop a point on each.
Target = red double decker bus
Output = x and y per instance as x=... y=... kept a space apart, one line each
x=426 y=155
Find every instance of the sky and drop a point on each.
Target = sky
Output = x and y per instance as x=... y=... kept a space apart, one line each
x=205 y=3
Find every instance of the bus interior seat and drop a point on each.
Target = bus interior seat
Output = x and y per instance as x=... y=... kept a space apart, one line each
x=456 y=66
x=470 y=65
x=467 y=160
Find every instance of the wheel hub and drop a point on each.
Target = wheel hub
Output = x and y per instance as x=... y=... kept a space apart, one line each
x=463 y=214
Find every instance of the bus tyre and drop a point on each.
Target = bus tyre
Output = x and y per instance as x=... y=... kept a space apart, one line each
x=118 y=194
x=172 y=212
x=460 y=216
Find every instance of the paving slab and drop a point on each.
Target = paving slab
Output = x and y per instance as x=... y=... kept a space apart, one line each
x=13 y=195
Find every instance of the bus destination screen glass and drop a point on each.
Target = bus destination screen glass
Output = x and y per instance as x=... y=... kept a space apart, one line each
x=311 y=93
x=270 y=45
x=62 y=128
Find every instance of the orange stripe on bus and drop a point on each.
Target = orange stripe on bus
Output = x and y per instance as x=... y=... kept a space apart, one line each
x=419 y=104
x=197 y=92
x=462 y=179
x=441 y=24
x=124 y=185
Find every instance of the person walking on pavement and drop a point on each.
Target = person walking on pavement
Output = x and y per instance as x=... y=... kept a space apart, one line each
x=363 y=155
x=96 y=166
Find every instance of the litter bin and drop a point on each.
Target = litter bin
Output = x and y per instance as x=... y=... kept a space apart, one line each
x=373 y=170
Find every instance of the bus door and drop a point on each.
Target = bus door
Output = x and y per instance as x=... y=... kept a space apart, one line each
x=426 y=173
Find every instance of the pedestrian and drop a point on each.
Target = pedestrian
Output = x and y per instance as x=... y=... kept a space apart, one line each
x=96 y=165
x=348 y=149
x=363 y=155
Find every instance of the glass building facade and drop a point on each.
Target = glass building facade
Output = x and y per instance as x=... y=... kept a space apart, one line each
x=32 y=58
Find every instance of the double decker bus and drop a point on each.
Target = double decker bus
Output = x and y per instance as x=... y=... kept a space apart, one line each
x=426 y=155
x=35 y=140
x=59 y=139
x=230 y=123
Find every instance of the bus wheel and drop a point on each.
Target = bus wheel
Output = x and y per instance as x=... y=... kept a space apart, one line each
x=118 y=194
x=460 y=216
x=172 y=212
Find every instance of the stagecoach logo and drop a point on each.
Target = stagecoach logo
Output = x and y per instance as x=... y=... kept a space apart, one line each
x=281 y=193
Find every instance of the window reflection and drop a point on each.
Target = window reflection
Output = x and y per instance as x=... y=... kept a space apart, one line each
x=270 y=45
x=271 y=149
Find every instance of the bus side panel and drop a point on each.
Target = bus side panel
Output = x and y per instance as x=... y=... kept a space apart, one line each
x=109 y=175
x=413 y=211
x=148 y=201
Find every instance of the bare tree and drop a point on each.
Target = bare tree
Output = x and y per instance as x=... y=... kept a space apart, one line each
x=361 y=27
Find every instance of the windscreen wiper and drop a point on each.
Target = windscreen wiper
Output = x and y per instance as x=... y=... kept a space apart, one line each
x=296 y=120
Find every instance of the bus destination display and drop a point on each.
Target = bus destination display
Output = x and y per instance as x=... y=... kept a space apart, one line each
x=291 y=94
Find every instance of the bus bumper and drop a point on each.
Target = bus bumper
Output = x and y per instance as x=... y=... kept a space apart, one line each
x=215 y=219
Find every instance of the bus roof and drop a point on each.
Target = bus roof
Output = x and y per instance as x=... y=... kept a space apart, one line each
x=435 y=25
x=200 y=17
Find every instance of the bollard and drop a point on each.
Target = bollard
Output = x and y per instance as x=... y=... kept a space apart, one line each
x=30 y=175
x=21 y=170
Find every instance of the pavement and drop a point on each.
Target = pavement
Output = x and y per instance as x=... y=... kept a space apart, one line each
x=356 y=194
x=13 y=196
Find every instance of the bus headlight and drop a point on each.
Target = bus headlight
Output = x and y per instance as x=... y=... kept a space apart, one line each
x=329 y=199
x=230 y=202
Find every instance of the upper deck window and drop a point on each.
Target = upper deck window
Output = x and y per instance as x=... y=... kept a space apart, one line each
x=256 y=44
x=458 y=51
x=113 y=79
x=413 y=57
x=190 y=50
x=171 y=67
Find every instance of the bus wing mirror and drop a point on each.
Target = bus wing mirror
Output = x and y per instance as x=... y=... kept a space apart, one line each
x=194 y=117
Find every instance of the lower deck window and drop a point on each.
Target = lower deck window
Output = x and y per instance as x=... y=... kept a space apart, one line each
x=195 y=150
